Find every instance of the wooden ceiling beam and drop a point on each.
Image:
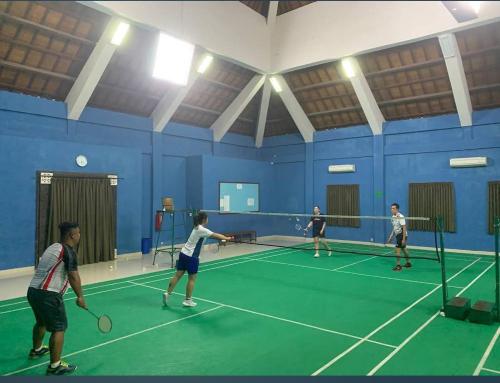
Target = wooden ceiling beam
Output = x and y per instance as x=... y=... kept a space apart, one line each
x=413 y=82
x=485 y=87
x=481 y=51
x=422 y=97
x=321 y=85
x=36 y=70
x=221 y=84
x=211 y=111
x=405 y=68
x=45 y=28
x=335 y=111
x=40 y=49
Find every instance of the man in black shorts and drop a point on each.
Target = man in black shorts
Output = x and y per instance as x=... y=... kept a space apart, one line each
x=399 y=229
x=56 y=268
x=319 y=225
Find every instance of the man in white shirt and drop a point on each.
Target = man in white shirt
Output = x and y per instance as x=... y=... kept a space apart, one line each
x=189 y=258
x=399 y=230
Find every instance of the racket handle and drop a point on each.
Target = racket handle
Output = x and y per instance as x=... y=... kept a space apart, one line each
x=91 y=313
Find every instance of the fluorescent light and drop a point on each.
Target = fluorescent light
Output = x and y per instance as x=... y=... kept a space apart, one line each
x=348 y=67
x=173 y=60
x=276 y=84
x=120 y=33
x=475 y=5
x=205 y=63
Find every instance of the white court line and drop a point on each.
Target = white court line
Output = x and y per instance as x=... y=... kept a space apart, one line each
x=155 y=273
x=397 y=279
x=118 y=339
x=67 y=299
x=417 y=331
x=490 y=370
x=128 y=286
x=360 y=274
x=270 y=316
x=209 y=263
x=383 y=325
x=483 y=360
x=354 y=263
x=464 y=259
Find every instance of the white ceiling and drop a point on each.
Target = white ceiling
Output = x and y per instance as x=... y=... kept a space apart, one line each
x=319 y=32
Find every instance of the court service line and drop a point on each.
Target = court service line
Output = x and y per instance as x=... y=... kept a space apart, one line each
x=155 y=273
x=360 y=274
x=486 y=354
x=383 y=325
x=119 y=339
x=271 y=316
x=128 y=286
x=354 y=263
x=417 y=331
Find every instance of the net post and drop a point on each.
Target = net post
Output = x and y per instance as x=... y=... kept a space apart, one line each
x=444 y=285
x=497 y=266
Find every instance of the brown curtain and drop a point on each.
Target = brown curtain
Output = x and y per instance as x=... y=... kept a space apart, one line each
x=343 y=200
x=432 y=200
x=92 y=203
x=493 y=204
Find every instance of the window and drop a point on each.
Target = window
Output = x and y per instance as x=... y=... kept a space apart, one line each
x=343 y=200
x=432 y=200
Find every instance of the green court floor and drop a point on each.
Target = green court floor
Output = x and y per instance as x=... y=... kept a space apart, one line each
x=277 y=312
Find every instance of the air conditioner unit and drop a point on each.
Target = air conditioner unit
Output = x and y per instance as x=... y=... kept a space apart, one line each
x=348 y=168
x=468 y=162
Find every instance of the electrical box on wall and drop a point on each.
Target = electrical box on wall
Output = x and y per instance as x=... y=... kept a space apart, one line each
x=468 y=162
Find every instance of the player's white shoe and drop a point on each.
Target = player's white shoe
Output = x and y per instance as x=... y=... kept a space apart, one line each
x=189 y=303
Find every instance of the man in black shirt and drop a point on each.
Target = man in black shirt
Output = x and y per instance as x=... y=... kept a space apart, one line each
x=319 y=225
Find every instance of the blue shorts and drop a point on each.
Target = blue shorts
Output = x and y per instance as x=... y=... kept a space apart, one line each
x=187 y=263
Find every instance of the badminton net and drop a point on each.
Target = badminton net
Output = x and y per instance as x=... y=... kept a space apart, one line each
x=360 y=235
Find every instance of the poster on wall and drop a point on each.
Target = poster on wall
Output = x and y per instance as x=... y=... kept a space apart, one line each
x=238 y=197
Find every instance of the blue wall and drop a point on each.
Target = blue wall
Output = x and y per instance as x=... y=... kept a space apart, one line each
x=413 y=151
x=185 y=163
x=35 y=135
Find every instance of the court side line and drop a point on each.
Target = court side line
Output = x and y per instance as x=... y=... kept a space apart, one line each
x=417 y=331
x=337 y=270
x=490 y=370
x=270 y=316
x=118 y=339
x=140 y=278
x=486 y=354
x=383 y=325
x=125 y=287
